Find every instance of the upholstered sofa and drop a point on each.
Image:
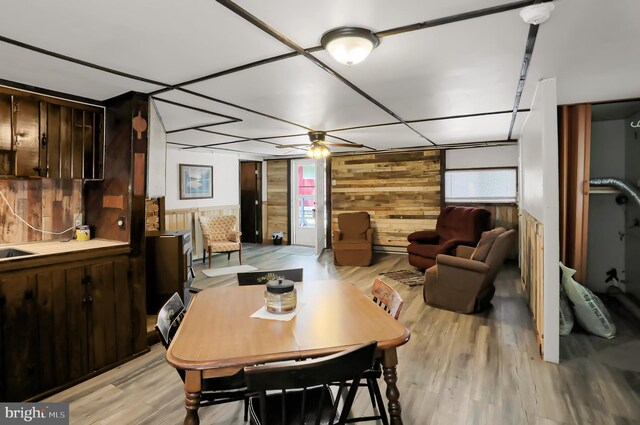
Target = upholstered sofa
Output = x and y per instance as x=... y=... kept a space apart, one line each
x=455 y=226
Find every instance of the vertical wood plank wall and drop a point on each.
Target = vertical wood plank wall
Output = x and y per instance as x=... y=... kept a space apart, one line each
x=277 y=203
x=48 y=204
x=532 y=271
x=401 y=192
x=187 y=219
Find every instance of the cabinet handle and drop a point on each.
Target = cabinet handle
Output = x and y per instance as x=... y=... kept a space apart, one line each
x=43 y=140
x=90 y=299
x=84 y=300
x=86 y=280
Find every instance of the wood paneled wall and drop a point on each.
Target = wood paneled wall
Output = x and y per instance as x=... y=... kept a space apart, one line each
x=277 y=204
x=532 y=271
x=401 y=192
x=47 y=204
x=187 y=219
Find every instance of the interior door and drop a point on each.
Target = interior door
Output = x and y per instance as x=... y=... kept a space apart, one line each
x=303 y=214
x=250 y=195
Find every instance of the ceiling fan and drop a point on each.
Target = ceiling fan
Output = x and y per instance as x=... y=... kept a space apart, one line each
x=318 y=148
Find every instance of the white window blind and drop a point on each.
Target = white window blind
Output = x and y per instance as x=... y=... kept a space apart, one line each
x=482 y=185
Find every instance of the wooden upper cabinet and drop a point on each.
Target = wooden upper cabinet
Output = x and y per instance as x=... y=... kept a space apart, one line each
x=46 y=137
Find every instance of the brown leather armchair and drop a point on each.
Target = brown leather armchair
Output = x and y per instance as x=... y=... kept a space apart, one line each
x=464 y=283
x=353 y=242
x=455 y=226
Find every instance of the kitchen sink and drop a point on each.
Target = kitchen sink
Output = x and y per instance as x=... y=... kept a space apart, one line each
x=12 y=252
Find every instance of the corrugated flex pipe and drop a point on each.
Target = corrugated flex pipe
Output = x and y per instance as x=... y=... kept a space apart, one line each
x=628 y=189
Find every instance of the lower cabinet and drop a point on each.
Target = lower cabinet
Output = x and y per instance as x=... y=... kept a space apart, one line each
x=63 y=322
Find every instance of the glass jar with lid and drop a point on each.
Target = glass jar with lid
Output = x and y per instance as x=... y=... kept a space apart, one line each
x=280 y=296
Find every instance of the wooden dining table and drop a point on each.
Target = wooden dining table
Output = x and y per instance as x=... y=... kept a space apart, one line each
x=218 y=337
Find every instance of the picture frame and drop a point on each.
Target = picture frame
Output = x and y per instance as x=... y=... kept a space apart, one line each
x=196 y=181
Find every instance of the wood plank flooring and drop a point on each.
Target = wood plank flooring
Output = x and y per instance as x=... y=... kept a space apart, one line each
x=479 y=369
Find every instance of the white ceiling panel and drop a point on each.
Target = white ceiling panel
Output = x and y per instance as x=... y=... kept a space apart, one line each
x=260 y=148
x=517 y=127
x=177 y=117
x=35 y=69
x=460 y=68
x=305 y=22
x=466 y=130
x=297 y=90
x=591 y=46
x=388 y=136
x=164 y=40
x=252 y=125
x=198 y=138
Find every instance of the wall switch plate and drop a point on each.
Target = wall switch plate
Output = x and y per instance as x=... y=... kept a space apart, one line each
x=122 y=222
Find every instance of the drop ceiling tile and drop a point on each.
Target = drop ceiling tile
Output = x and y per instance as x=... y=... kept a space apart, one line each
x=466 y=130
x=177 y=117
x=198 y=138
x=164 y=40
x=591 y=47
x=297 y=90
x=259 y=148
x=460 y=68
x=383 y=137
x=252 y=125
x=305 y=22
x=38 y=70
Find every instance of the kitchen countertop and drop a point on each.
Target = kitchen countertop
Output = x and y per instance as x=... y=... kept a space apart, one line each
x=58 y=251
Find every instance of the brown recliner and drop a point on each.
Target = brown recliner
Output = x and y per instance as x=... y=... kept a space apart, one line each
x=352 y=243
x=455 y=226
x=464 y=283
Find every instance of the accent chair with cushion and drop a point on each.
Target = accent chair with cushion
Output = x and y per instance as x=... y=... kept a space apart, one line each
x=464 y=283
x=218 y=235
x=353 y=242
x=455 y=226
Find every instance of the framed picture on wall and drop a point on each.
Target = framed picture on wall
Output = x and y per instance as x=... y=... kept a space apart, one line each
x=196 y=181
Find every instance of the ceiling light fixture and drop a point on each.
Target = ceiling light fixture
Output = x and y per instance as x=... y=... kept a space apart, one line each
x=318 y=151
x=349 y=45
x=536 y=14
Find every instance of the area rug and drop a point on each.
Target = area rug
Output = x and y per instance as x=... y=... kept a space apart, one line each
x=297 y=250
x=228 y=270
x=406 y=277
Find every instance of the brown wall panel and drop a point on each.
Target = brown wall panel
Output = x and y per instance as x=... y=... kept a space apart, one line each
x=401 y=192
x=277 y=199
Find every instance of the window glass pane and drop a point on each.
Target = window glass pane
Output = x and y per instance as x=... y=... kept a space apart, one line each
x=496 y=185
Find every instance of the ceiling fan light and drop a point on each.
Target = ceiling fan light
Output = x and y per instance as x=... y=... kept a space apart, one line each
x=318 y=151
x=349 y=45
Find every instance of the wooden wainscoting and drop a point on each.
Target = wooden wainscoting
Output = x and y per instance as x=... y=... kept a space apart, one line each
x=532 y=269
x=401 y=192
x=47 y=204
x=187 y=219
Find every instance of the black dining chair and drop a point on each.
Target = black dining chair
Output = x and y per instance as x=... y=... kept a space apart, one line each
x=214 y=390
x=304 y=395
x=263 y=276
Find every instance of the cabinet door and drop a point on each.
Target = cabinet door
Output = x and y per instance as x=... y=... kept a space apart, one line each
x=126 y=344
x=20 y=336
x=52 y=329
x=6 y=143
x=77 y=305
x=26 y=134
x=102 y=317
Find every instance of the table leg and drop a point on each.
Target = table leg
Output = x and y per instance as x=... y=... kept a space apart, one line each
x=192 y=391
x=389 y=363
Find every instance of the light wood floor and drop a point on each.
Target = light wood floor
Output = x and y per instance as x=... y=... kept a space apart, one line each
x=457 y=369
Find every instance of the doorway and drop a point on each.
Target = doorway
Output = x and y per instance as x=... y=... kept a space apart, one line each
x=250 y=201
x=303 y=208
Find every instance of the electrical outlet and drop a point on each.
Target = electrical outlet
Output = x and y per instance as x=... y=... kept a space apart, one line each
x=78 y=222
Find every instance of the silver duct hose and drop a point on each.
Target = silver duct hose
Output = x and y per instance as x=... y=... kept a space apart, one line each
x=624 y=187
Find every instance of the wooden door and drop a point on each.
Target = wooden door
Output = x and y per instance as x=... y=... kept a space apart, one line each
x=250 y=201
x=77 y=328
x=26 y=136
x=102 y=316
x=53 y=341
x=20 y=336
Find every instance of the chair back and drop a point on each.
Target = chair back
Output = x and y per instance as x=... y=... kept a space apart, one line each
x=465 y=223
x=498 y=253
x=343 y=367
x=354 y=226
x=387 y=298
x=217 y=228
x=263 y=276
x=169 y=319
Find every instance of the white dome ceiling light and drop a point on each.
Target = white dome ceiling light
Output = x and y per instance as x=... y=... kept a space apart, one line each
x=536 y=14
x=349 y=45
